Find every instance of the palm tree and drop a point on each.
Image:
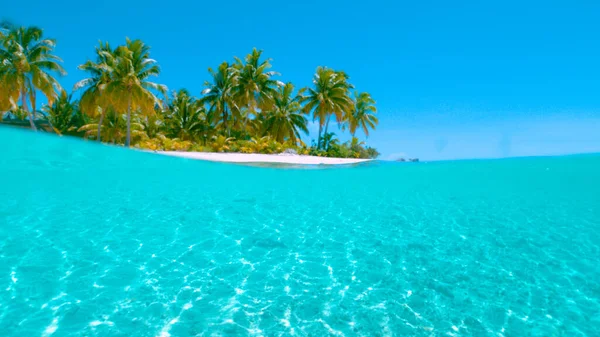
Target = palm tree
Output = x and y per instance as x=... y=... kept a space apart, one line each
x=154 y=124
x=185 y=117
x=363 y=115
x=330 y=96
x=221 y=143
x=27 y=62
x=218 y=94
x=285 y=120
x=355 y=144
x=114 y=128
x=63 y=115
x=9 y=93
x=246 y=123
x=92 y=100
x=329 y=140
x=129 y=88
x=255 y=87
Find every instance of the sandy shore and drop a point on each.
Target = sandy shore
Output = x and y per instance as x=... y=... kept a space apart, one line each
x=263 y=158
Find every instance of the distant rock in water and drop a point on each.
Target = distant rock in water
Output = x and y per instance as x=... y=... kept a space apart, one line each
x=412 y=160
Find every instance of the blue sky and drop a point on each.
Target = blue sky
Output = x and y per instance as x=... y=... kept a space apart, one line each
x=470 y=79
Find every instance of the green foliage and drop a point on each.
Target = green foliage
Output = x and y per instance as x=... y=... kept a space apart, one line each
x=350 y=149
x=162 y=143
x=254 y=85
x=200 y=148
x=363 y=115
x=119 y=81
x=64 y=115
x=285 y=119
x=243 y=107
x=372 y=153
x=218 y=96
x=330 y=95
x=221 y=143
x=265 y=145
x=16 y=113
x=185 y=117
x=93 y=101
x=154 y=125
x=27 y=63
x=114 y=128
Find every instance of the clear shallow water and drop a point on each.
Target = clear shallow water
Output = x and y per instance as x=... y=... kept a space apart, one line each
x=101 y=241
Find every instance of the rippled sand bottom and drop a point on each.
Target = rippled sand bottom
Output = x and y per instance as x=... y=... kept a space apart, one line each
x=99 y=241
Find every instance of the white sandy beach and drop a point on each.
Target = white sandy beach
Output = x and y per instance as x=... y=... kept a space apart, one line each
x=263 y=158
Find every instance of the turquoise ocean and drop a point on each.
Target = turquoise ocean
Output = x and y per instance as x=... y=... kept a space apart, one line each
x=98 y=240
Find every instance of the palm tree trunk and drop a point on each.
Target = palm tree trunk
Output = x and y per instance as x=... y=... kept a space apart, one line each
x=99 y=135
x=225 y=122
x=128 y=138
x=319 y=139
x=327 y=124
x=24 y=106
x=33 y=103
x=52 y=126
x=225 y=115
x=326 y=128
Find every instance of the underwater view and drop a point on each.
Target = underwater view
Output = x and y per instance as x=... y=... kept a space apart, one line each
x=97 y=240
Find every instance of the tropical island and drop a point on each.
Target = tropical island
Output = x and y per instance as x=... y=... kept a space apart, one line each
x=243 y=108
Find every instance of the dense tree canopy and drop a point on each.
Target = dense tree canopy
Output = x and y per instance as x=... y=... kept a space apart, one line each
x=26 y=64
x=243 y=106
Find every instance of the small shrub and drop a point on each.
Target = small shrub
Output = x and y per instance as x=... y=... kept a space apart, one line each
x=152 y=144
x=221 y=143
